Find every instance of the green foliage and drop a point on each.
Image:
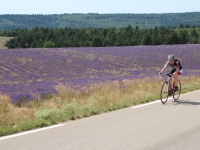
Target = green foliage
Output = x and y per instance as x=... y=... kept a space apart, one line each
x=46 y=114
x=96 y=20
x=68 y=111
x=194 y=38
x=91 y=109
x=98 y=37
x=49 y=44
x=146 y=40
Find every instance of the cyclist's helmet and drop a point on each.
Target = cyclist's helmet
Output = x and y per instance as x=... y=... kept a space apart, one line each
x=170 y=57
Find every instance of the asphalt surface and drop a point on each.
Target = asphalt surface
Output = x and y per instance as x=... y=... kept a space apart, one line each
x=172 y=126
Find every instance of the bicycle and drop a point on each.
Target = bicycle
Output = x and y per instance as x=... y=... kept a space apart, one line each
x=168 y=90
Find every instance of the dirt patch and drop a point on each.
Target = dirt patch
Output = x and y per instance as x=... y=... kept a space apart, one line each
x=3 y=41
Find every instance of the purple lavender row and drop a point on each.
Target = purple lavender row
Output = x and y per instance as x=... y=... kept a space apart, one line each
x=80 y=66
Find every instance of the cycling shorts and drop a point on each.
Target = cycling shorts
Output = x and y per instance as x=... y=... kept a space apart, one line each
x=179 y=72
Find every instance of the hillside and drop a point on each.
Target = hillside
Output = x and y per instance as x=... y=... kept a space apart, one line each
x=8 y=22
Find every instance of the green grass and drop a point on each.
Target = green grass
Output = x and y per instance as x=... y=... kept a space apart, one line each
x=71 y=104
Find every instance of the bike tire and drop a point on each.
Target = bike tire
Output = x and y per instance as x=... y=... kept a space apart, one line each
x=176 y=94
x=164 y=93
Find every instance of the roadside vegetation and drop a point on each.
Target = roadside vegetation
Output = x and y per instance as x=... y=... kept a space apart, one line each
x=71 y=104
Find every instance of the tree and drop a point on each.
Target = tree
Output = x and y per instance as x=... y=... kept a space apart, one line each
x=110 y=38
x=120 y=38
x=154 y=37
x=136 y=28
x=49 y=44
x=11 y=43
x=96 y=42
x=183 y=39
x=146 y=40
x=194 y=38
x=173 y=38
x=87 y=37
x=181 y=26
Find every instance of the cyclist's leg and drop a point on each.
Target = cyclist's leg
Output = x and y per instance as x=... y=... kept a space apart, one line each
x=170 y=86
x=171 y=81
x=175 y=75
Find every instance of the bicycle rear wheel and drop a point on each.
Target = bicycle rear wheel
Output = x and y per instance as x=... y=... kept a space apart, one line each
x=177 y=93
x=164 y=92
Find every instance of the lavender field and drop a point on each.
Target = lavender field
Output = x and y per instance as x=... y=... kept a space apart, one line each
x=31 y=73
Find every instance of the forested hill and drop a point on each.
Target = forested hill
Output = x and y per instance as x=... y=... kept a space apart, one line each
x=8 y=22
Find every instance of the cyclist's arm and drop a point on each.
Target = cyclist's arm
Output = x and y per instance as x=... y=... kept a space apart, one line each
x=163 y=69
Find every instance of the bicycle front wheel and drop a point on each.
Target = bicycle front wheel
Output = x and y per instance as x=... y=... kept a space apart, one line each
x=178 y=92
x=164 y=92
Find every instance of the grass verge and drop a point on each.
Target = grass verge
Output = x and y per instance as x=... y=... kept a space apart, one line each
x=72 y=104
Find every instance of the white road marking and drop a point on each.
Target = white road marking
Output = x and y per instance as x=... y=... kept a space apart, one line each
x=150 y=103
x=29 y=132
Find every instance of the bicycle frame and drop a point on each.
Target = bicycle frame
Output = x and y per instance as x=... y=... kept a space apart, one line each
x=170 y=80
x=168 y=89
x=169 y=77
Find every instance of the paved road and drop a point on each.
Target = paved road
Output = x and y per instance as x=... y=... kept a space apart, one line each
x=173 y=126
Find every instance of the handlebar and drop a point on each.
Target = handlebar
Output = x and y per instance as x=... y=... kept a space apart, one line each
x=167 y=74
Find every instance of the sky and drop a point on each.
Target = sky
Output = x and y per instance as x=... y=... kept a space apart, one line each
x=98 y=6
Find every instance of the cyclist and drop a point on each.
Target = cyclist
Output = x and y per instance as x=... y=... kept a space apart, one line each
x=175 y=69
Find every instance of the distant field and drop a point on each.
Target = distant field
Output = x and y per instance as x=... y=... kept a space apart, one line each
x=3 y=41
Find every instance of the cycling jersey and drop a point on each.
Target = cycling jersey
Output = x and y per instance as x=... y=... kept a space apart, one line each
x=175 y=65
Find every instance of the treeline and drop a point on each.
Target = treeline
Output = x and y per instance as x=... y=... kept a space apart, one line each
x=101 y=37
x=95 y=20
